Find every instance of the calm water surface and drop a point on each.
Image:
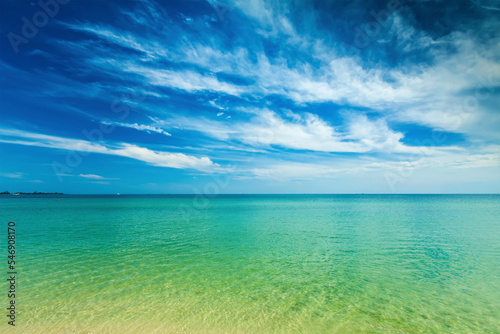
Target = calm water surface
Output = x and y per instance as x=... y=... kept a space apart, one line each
x=255 y=264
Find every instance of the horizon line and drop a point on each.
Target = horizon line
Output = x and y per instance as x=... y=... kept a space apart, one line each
x=232 y=194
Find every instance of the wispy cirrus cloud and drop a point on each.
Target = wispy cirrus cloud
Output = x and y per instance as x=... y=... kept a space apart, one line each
x=155 y=158
x=286 y=170
x=12 y=175
x=304 y=131
x=406 y=93
x=95 y=177
x=140 y=127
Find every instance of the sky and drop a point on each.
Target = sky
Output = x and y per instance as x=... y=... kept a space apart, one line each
x=240 y=96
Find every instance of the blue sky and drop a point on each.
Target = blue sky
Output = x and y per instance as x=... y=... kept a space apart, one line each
x=250 y=96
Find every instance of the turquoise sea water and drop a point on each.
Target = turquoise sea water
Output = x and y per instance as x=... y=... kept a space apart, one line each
x=255 y=264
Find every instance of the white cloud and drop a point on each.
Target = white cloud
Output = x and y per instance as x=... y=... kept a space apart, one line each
x=151 y=48
x=186 y=80
x=213 y=103
x=406 y=94
x=155 y=158
x=92 y=176
x=305 y=131
x=12 y=175
x=140 y=127
x=425 y=94
x=349 y=167
x=409 y=90
x=302 y=132
x=376 y=135
x=166 y=159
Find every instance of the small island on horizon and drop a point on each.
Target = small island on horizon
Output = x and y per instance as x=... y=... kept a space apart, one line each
x=32 y=193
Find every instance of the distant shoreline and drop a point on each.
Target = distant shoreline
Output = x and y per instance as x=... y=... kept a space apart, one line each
x=33 y=193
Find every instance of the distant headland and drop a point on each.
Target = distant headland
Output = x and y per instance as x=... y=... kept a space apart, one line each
x=33 y=193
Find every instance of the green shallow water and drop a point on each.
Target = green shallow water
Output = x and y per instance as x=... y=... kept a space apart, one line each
x=255 y=264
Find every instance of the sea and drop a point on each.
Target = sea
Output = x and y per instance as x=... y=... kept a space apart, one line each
x=252 y=263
